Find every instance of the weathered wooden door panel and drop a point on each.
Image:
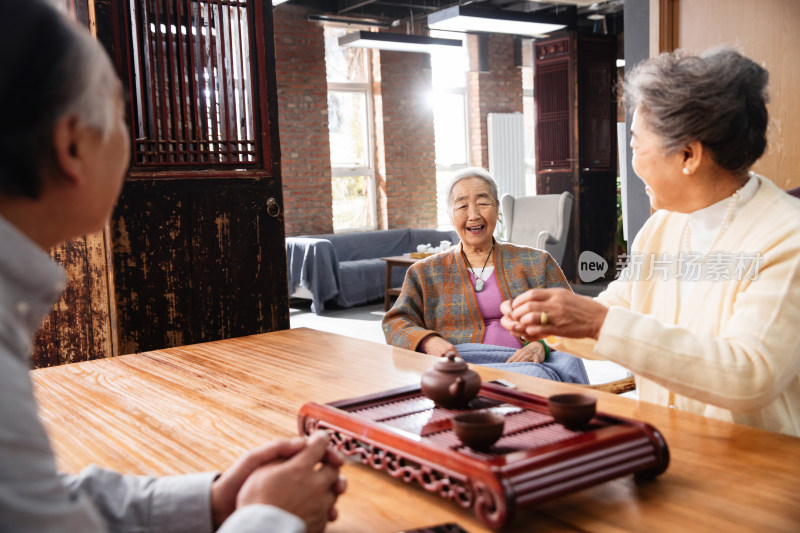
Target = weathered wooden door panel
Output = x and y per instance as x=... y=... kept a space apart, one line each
x=239 y=265
x=152 y=266
x=80 y=325
x=198 y=260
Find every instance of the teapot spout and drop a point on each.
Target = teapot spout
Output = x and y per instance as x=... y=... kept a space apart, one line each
x=456 y=388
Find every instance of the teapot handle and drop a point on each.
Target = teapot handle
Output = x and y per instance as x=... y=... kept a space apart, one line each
x=456 y=388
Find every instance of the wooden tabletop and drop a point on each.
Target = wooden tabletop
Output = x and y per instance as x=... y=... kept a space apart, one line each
x=198 y=407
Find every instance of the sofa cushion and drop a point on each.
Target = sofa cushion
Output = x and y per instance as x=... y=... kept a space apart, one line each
x=362 y=280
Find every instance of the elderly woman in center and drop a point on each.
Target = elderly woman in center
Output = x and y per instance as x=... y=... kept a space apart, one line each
x=707 y=312
x=451 y=301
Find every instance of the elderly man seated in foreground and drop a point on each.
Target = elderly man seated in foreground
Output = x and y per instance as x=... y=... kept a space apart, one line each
x=65 y=149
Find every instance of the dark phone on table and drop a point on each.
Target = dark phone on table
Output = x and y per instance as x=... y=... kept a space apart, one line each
x=441 y=528
x=504 y=383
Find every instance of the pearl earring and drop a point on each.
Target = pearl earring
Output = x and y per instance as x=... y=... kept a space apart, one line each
x=686 y=171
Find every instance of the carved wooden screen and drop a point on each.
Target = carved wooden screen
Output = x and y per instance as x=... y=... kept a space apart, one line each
x=553 y=104
x=192 y=89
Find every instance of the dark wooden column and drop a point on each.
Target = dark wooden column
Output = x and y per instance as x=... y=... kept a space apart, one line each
x=576 y=138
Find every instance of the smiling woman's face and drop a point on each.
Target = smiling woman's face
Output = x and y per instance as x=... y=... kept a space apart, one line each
x=474 y=213
x=660 y=171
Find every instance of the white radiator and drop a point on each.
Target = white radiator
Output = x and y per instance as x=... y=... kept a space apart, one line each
x=507 y=152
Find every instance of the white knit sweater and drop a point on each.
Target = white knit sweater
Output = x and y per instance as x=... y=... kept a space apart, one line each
x=732 y=351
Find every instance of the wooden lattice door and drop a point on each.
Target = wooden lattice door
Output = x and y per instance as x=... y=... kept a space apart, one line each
x=198 y=238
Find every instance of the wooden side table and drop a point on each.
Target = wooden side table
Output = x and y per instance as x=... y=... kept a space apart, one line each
x=393 y=261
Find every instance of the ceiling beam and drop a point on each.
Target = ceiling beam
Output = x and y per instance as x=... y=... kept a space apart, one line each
x=356 y=6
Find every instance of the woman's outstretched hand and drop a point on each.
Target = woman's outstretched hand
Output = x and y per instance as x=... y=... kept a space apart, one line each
x=565 y=314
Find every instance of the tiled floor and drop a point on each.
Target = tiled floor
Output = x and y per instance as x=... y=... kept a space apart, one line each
x=360 y=322
x=365 y=323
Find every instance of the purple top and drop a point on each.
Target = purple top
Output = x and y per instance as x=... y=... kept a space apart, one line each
x=489 y=300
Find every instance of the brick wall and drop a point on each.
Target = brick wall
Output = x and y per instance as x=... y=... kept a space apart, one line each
x=380 y=147
x=303 y=122
x=405 y=151
x=499 y=90
x=405 y=159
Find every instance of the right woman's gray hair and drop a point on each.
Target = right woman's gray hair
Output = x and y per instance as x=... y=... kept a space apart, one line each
x=718 y=98
x=50 y=68
x=472 y=172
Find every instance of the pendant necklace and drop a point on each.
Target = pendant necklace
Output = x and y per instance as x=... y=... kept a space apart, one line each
x=479 y=282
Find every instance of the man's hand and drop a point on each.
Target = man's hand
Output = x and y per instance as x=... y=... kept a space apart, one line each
x=306 y=485
x=226 y=489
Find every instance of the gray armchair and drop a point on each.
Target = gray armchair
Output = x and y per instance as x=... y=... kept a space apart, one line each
x=540 y=221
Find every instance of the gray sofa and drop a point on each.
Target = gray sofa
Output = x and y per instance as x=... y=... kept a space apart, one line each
x=346 y=267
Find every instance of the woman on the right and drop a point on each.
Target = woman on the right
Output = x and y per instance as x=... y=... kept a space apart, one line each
x=707 y=311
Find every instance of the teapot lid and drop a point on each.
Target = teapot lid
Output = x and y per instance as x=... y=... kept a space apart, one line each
x=451 y=363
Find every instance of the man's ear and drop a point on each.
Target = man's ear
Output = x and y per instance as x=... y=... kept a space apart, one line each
x=692 y=156
x=68 y=139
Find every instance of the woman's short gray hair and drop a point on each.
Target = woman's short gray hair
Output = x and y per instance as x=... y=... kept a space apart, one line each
x=717 y=98
x=472 y=172
x=44 y=80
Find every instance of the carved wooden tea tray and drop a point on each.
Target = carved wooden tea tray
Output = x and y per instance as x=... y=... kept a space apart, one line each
x=402 y=433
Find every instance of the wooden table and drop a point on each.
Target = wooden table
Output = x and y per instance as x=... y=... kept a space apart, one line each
x=198 y=407
x=393 y=261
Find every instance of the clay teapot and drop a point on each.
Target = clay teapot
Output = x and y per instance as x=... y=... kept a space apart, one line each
x=450 y=383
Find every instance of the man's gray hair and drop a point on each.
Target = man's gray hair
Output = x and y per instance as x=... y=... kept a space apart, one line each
x=472 y=172
x=93 y=93
x=90 y=81
x=44 y=79
x=718 y=98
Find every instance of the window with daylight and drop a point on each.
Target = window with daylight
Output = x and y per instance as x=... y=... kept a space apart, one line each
x=449 y=101
x=192 y=89
x=350 y=128
x=529 y=117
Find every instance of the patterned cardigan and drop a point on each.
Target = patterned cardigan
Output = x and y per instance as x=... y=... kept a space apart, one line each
x=438 y=298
